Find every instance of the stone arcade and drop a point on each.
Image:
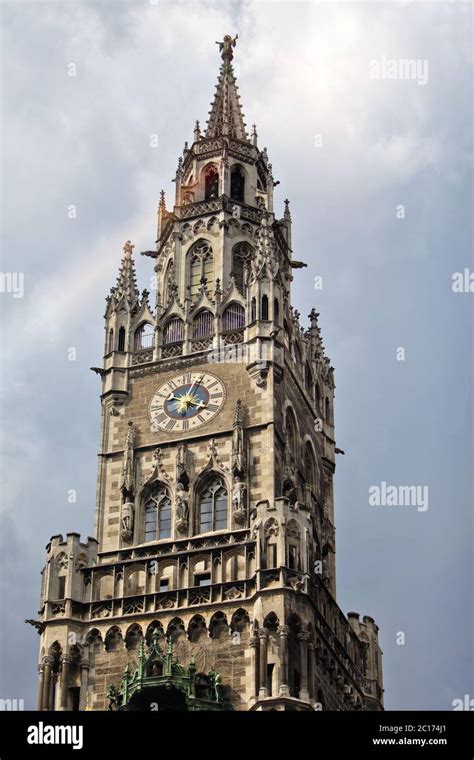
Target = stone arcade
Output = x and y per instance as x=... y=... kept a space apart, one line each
x=210 y=582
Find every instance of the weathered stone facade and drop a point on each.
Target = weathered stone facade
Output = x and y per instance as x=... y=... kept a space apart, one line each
x=219 y=535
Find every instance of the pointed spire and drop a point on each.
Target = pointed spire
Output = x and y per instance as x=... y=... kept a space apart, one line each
x=225 y=116
x=197 y=132
x=254 y=134
x=127 y=281
x=287 y=214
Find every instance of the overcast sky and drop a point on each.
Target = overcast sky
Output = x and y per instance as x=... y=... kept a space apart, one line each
x=349 y=150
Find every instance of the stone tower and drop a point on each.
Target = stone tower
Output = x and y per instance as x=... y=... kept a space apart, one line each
x=210 y=583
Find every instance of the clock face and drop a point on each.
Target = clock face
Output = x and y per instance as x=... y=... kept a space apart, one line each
x=186 y=402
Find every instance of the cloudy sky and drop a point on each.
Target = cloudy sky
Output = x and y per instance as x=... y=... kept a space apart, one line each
x=379 y=175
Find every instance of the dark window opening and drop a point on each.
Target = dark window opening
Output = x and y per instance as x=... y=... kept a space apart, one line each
x=203 y=579
x=62 y=587
x=211 y=185
x=237 y=184
x=293 y=557
x=264 y=314
x=276 y=310
x=121 y=340
x=270 y=669
x=164 y=584
x=271 y=555
x=253 y=310
x=74 y=698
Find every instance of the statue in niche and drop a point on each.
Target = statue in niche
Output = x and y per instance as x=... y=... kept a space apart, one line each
x=238 y=500
x=127 y=521
x=182 y=508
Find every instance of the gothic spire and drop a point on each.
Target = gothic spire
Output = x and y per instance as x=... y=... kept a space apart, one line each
x=126 y=287
x=225 y=116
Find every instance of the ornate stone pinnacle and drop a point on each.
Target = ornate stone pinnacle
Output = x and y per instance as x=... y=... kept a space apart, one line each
x=128 y=247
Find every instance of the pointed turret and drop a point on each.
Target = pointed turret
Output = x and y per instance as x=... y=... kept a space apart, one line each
x=126 y=288
x=225 y=116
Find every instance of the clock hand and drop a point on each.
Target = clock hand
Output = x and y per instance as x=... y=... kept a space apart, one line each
x=196 y=382
x=199 y=405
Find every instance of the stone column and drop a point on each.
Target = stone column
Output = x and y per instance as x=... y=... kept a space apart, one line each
x=65 y=661
x=254 y=666
x=303 y=637
x=52 y=691
x=263 y=636
x=311 y=656
x=39 y=705
x=84 y=681
x=283 y=633
x=47 y=670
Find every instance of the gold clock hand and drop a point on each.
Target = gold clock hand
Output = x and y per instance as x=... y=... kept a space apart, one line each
x=201 y=404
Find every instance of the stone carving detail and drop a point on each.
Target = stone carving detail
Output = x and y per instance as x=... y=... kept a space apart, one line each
x=62 y=561
x=128 y=486
x=239 y=464
x=182 y=509
x=239 y=508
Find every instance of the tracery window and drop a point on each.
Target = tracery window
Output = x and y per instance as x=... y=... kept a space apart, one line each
x=158 y=515
x=213 y=503
x=202 y=266
x=144 y=336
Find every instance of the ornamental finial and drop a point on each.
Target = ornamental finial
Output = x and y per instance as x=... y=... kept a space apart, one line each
x=128 y=247
x=225 y=47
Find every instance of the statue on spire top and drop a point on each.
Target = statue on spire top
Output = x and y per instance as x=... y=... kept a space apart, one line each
x=225 y=47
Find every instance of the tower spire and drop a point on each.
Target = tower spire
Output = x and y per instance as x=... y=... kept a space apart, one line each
x=127 y=281
x=225 y=116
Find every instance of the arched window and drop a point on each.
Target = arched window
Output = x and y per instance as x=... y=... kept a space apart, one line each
x=121 y=340
x=240 y=254
x=158 y=515
x=211 y=183
x=264 y=311
x=174 y=331
x=317 y=396
x=168 y=281
x=276 y=311
x=202 y=267
x=328 y=408
x=308 y=377
x=233 y=318
x=203 y=324
x=213 y=506
x=144 y=336
x=110 y=346
x=297 y=356
x=253 y=309
x=237 y=184
x=309 y=466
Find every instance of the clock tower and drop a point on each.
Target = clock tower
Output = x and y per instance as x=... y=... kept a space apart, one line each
x=210 y=580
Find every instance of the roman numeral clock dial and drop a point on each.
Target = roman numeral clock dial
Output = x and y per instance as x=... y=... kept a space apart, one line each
x=185 y=402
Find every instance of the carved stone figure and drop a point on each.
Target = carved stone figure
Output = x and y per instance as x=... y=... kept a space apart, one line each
x=127 y=521
x=182 y=508
x=238 y=501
